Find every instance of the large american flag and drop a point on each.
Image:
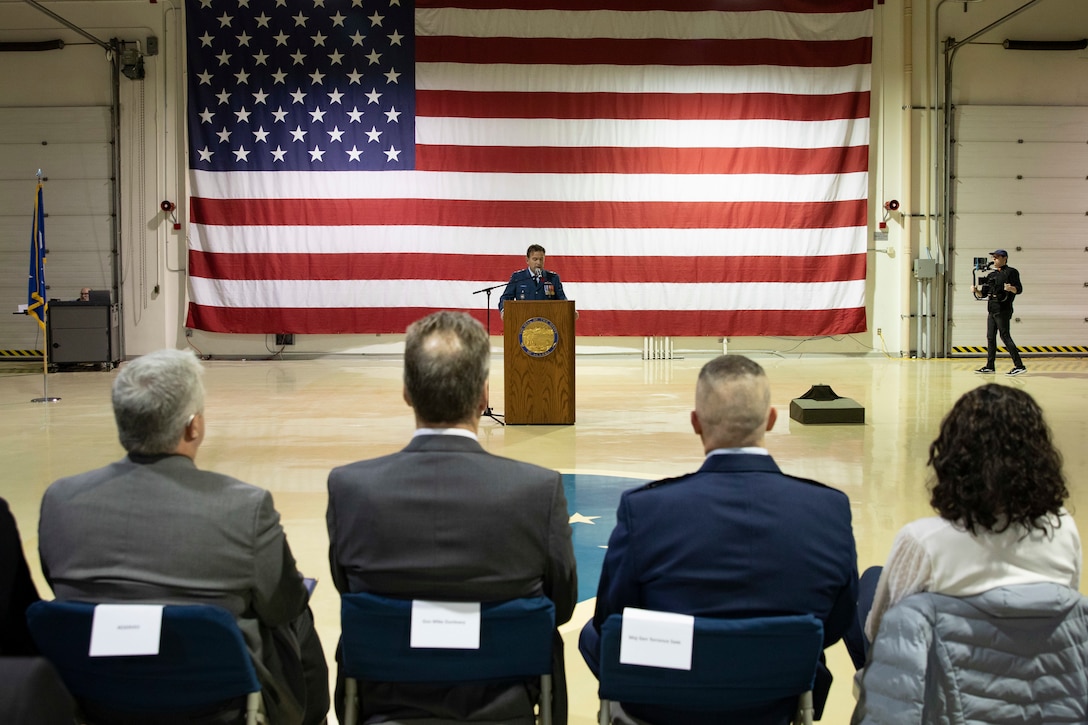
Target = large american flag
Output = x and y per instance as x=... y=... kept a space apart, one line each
x=693 y=167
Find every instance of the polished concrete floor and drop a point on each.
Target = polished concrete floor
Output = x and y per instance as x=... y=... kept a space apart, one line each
x=283 y=424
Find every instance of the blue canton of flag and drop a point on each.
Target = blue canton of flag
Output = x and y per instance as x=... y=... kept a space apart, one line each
x=322 y=85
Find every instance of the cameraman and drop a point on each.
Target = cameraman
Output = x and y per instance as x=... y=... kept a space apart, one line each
x=1002 y=286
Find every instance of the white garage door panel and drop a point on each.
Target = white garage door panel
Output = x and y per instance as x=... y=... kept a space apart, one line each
x=1031 y=196
x=1001 y=229
x=1009 y=159
x=63 y=197
x=62 y=124
x=1030 y=123
x=59 y=160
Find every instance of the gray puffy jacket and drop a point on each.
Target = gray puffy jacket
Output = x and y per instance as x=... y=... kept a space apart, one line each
x=1016 y=654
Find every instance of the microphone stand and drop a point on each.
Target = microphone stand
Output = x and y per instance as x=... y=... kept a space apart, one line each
x=488 y=411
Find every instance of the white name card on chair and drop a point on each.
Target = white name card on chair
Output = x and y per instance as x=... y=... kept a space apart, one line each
x=656 y=639
x=445 y=625
x=126 y=629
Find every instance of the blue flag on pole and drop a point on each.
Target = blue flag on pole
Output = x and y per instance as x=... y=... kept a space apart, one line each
x=37 y=303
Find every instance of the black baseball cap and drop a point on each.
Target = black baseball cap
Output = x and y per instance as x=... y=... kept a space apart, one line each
x=999 y=253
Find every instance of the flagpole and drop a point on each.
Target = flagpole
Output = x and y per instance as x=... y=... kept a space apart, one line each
x=38 y=296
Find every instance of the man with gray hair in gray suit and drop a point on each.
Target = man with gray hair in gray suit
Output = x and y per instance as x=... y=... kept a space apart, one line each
x=443 y=519
x=153 y=528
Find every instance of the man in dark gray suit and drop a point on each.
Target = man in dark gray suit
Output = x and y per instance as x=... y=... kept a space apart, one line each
x=444 y=519
x=154 y=528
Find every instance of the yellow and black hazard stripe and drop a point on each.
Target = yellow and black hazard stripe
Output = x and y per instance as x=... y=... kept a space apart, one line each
x=21 y=354
x=1038 y=349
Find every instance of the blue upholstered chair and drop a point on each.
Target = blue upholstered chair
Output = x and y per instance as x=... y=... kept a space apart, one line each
x=736 y=664
x=203 y=668
x=515 y=643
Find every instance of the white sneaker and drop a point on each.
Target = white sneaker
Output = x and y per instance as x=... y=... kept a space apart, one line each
x=1017 y=370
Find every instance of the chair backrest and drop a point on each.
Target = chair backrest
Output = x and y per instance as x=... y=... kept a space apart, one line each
x=735 y=663
x=515 y=642
x=202 y=660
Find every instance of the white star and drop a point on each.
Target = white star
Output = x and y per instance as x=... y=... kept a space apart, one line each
x=373 y=56
x=223 y=96
x=338 y=19
x=316 y=154
x=206 y=116
x=299 y=57
x=392 y=154
x=240 y=154
x=355 y=114
x=376 y=19
x=242 y=77
x=224 y=20
x=300 y=20
x=317 y=77
x=243 y=39
x=394 y=2
x=262 y=20
x=224 y=58
x=373 y=96
x=335 y=96
x=259 y=96
x=354 y=77
x=260 y=135
x=358 y=38
x=206 y=40
x=279 y=76
x=279 y=114
x=392 y=76
x=318 y=39
x=335 y=134
x=205 y=154
x=281 y=38
x=205 y=78
x=277 y=155
x=392 y=115
x=224 y=135
x=298 y=96
x=372 y=135
x=317 y=115
x=395 y=38
x=298 y=134
x=205 y=3
x=354 y=153
x=260 y=58
x=578 y=518
x=335 y=57
x=319 y=3
x=243 y=3
x=242 y=115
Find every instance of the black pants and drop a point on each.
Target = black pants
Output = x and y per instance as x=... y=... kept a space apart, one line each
x=998 y=322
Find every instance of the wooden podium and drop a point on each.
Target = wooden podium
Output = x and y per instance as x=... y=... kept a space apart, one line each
x=539 y=362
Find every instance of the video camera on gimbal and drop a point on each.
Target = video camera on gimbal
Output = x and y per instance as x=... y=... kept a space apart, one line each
x=985 y=286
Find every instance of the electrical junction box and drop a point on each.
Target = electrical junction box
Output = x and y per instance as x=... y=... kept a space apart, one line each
x=925 y=268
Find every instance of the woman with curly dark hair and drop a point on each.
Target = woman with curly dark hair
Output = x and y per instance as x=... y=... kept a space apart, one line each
x=999 y=492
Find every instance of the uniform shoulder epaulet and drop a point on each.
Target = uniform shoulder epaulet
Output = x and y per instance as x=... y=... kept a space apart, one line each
x=664 y=482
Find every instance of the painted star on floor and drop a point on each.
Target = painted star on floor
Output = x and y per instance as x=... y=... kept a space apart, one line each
x=593 y=500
